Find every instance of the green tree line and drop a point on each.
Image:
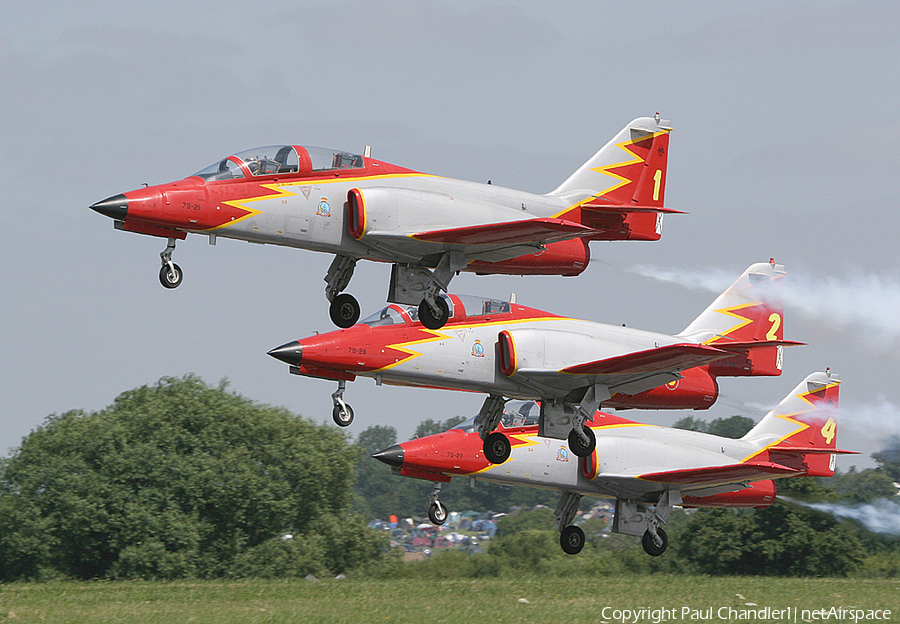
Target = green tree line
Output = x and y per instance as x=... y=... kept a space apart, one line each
x=179 y=479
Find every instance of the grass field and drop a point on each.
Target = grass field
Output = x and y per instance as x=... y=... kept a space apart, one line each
x=490 y=601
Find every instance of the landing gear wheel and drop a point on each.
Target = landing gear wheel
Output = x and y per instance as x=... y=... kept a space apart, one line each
x=171 y=277
x=650 y=547
x=342 y=415
x=577 y=446
x=437 y=513
x=426 y=315
x=344 y=310
x=496 y=448
x=571 y=539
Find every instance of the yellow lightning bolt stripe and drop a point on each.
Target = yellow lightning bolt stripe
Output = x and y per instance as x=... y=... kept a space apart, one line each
x=791 y=419
x=440 y=335
x=529 y=439
x=241 y=204
x=744 y=321
x=281 y=191
x=605 y=169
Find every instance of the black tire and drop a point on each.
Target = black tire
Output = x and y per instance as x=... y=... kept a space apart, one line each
x=437 y=513
x=497 y=448
x=171 y=278
x=341 y=417
x=652 y=549
x=344 y=310
x=578 y=447
x=427 y=317
x=571 y=539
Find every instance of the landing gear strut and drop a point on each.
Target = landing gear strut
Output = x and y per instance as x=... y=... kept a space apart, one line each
x=170 y=275
x=496 y=445
x=654 y=540
x=433 y=310
x=582 y=441
x=344 y=308
x=342 y=413
x=437 y=512
x=571 y=537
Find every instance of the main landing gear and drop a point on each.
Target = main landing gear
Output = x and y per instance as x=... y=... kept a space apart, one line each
x=344 y=308
x=496 y=445
x=571 y=537
x=342 y=413
x=654 y=540
x=643 y=520
x=170 y=275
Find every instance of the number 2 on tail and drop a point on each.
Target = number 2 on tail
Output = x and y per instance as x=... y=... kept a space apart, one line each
x=772 y=334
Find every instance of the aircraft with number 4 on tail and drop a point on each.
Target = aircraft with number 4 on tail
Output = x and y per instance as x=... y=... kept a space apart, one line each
x=572 y=366
x=647 y=469
x=428 y=227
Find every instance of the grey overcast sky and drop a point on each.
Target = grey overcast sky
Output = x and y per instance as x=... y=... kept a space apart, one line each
x=785 y=145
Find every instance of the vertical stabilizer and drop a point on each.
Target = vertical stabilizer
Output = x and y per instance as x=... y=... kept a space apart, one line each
x=748 y=318
x=629 y=170
x=801 y=432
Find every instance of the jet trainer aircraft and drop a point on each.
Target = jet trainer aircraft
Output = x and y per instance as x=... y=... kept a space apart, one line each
x=510 y=351
x=428 y=227
x=648 y=470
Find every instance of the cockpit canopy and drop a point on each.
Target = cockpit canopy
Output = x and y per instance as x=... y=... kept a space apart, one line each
x=280 y=159
x=460 y=306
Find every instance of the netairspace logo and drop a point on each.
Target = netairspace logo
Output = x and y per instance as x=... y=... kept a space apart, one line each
x=750 y=611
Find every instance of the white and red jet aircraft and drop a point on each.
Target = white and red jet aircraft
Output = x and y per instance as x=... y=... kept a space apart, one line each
x=428 y=227
x=510 y=351
x=647 y=469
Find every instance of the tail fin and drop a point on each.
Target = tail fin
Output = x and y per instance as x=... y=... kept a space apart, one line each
x=620 y=190
x=748 y=319
x=801 y=432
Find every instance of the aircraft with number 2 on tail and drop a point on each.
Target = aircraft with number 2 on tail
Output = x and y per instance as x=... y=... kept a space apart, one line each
x=572 y=366
x=647 y=469
x=428 y=227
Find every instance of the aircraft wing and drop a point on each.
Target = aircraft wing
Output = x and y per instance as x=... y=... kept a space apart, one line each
x=712 y=475
x=533 y=231
x=671 y=358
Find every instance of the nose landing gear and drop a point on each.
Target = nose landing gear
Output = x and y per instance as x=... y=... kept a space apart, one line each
x=170 y=275
x=437 y=512
x=342 y=413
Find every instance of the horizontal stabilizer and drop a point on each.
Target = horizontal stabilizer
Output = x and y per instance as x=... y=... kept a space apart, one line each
x=612 y=209
x=756 y=344
x=810 y=450
x=534 y=231
x=672 y=358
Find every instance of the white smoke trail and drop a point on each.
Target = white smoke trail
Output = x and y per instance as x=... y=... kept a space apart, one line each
x=863 y=303
x=878 y=419
x=879 y=516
